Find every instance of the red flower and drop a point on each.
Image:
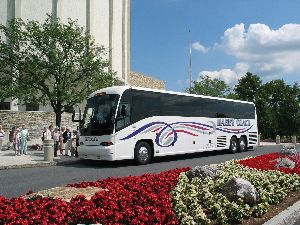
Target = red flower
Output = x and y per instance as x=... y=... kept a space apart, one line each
x=268 y=162
x=130 y=200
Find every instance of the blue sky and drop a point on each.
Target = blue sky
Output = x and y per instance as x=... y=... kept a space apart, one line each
x=228 y=39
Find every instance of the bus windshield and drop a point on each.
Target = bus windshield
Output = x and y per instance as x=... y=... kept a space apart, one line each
x=98 y=118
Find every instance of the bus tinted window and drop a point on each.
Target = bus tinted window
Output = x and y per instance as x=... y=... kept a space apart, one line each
x=171 y=105
x=244 y=111
x=145 y=104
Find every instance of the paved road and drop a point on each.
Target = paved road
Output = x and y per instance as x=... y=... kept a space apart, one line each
x=15 y=182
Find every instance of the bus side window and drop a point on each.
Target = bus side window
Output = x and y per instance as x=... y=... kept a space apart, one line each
x=123 y=116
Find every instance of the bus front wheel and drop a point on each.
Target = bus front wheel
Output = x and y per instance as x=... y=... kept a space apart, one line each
x=233 y=145
x=142 y=153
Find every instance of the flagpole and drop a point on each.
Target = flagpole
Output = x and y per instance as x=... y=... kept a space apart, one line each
x=190 y=61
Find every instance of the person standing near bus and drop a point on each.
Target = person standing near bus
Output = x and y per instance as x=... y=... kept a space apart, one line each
x=67 y=139
x=24 y=135
x=2 y=134
x=61 y=141
x=51 y=131
x=17 y=142
x=56 y=138
x=11 y=138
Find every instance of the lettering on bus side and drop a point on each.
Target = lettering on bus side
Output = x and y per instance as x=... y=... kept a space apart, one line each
x=225 y=122
x=232 y=122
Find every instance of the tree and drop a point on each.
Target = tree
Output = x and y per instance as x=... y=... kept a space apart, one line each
x=51 y=63
x=277 y=104
x=209 y=86
x=248 y=87
x=279 y=108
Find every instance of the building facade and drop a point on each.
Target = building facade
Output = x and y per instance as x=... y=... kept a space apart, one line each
x=108 y=21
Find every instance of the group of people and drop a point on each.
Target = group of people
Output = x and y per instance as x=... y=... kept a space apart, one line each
x=64 y=140
x=18 y=138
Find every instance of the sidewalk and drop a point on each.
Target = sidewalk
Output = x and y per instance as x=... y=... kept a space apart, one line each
x=262 y=143
x=34 y=158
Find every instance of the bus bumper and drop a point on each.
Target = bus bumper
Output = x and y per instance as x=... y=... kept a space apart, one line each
x=97 y=152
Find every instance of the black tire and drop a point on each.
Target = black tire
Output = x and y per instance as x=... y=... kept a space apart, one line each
x=233 y=147
x=142 y=153
x=242 y=144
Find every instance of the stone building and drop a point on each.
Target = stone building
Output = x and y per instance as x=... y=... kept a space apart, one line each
x=107 y=20
x=109 y=23
x=141 y=80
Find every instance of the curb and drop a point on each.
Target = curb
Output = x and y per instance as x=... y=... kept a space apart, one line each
x=42 y=164
x=287 y=217
x=28 y=165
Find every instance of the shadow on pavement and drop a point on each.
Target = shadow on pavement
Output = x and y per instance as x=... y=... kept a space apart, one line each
x=85 y=163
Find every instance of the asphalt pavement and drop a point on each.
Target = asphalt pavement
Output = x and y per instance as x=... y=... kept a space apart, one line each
x=43 y=175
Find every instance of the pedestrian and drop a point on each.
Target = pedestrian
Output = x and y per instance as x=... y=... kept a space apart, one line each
x=2 y=134
x=17 y=142
x=61 y=141
x=24 y=135
x=43 y=137
x=11 y=137
x=56 y=138
x=67 y=139
x=77 y=143
x=51 y=131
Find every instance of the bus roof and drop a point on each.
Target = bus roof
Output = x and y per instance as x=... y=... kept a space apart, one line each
x=120 y=89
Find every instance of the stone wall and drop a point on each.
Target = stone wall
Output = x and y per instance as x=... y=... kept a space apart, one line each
x=34 y=121
x=141 y=80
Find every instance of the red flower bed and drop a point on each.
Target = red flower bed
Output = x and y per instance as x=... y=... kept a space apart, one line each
x=268 y=162
x=131 y=200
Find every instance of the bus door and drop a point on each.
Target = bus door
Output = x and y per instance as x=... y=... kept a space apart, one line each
x=123 y=127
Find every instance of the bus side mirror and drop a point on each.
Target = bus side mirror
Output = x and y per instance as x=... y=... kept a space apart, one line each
x=73 y=117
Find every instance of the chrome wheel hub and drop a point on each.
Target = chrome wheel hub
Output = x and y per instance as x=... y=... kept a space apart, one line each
x=143 y=154
x=242 y=144
x=233 y=145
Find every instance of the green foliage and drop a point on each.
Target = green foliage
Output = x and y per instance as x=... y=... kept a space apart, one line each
x=52 y=63
x=277 y=104
x=248 y=86
x=208 y=86
x=200 y=201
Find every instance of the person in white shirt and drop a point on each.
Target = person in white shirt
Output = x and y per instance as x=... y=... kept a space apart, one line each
x=24 y=138
x=2 y=134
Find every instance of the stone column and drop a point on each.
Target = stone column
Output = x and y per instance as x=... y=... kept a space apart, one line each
x=48 y=150
x=277 y=139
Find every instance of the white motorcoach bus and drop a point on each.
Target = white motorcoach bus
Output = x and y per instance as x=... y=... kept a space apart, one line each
x=125 y=122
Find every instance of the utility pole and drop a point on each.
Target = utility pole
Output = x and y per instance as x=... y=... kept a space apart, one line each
x=190 y=61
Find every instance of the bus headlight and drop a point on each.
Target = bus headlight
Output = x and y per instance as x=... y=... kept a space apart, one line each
x=107 y=143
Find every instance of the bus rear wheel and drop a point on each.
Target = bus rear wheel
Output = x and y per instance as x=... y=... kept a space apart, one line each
x=242 y=144
x=142 y=153
x=233 y=145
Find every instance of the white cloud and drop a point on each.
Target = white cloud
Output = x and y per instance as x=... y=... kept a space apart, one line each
x=230 y=76
x=268 y=52
x=199 y=47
